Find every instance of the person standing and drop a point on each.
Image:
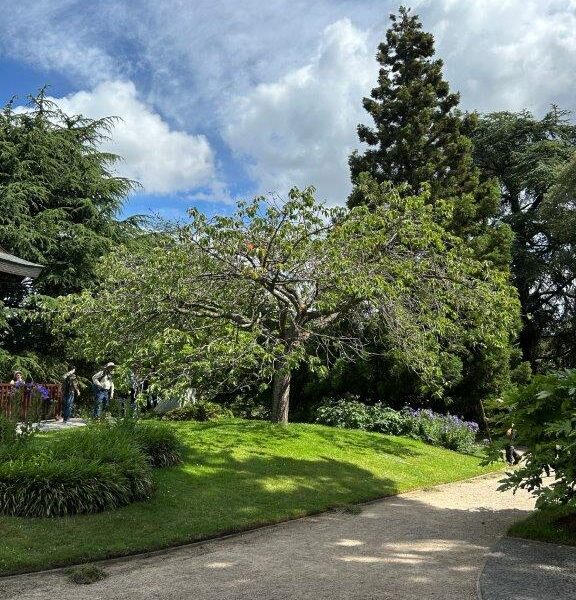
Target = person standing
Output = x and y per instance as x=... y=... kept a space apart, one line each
x=18 y=379
x=103 y=389
x=70 y=391
x=512 y=455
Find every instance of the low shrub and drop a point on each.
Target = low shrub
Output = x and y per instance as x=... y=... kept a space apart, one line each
x=543 y=417
x=448 y=431
x=347 y=412
x=160 y=443
x=199 y=411
x=48 y=487
x=386 y=420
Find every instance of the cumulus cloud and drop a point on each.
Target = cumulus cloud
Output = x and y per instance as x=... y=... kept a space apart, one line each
x=507 y=54
x=161 y=159
x=283 y=95
x=301 y=129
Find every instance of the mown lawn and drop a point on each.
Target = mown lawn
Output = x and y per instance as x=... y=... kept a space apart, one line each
x=236 y=475
x=555 y=525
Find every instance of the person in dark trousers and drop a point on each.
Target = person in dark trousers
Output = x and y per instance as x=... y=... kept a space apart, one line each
x=70 y=391
x=103 y=389
x=512 y=455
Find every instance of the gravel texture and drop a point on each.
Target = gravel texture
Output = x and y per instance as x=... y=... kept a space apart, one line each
x=425 y=545
x=526 y=570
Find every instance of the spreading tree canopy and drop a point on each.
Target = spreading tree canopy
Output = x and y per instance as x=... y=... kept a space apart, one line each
x=59 y=202
x=230 y=300
x=534 y=160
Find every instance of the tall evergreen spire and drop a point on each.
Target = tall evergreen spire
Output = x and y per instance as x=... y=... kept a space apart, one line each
x=419 y=136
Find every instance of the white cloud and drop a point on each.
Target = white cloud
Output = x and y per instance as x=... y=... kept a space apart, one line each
x=301 y=129
x=507 y=54
x=283 y=94
x=161 y=159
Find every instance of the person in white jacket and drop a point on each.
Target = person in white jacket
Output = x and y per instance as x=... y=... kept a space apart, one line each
x=103 y=389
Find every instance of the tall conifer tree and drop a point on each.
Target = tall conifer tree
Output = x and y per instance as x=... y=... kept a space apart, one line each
x=420 y=138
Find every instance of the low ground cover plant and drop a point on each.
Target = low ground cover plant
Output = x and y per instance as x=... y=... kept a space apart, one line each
x=86 y=470
x=85 y=574
x=198 y=411
x=448 y=431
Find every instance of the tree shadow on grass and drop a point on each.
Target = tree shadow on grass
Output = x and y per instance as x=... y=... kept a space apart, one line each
x=212 y=493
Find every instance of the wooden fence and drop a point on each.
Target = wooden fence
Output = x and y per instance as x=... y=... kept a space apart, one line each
x=28 y=401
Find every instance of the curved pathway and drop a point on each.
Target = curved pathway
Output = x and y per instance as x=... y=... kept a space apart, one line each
x=424 y=545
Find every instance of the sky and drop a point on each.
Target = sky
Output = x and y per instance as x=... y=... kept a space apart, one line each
x=223 y=100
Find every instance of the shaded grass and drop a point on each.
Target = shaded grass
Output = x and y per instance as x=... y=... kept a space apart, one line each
x=542 y=526
x=236 y=475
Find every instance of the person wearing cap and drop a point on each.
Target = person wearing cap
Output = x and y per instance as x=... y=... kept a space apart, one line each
x=18 y=379
x=103 y=389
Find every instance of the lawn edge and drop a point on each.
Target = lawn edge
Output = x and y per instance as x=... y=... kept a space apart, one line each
x=544 y=518
x=117 y=558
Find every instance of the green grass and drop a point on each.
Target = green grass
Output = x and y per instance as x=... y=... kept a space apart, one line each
x=237 y=475
x=541 y=525
x=85 y=574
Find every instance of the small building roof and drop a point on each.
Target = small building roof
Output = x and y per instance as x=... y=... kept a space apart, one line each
x=18 y=266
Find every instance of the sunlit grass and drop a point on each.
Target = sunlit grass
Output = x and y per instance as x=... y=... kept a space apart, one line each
x=236 y=475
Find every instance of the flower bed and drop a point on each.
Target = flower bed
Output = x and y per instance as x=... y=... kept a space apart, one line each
x=448 y=431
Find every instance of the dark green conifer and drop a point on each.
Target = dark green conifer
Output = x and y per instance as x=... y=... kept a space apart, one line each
x=420 y=137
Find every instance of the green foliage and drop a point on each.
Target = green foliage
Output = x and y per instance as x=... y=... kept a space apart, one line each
x=534 y=162
x=238 y=301
x=347 y=413
x=447 y=431
x=420 y=140
x=199 y=411
x=86 y=470
x=249 y=406
x=48 y=487
x=85 y=574
x=543 y=415
x=59 y=202
x=160 y=443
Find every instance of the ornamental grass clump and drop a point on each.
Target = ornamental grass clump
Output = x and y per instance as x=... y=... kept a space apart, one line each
x=87 y=470
x=160 y=443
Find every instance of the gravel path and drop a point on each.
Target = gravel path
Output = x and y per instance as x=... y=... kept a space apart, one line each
x=526 y=570
x=425 y=545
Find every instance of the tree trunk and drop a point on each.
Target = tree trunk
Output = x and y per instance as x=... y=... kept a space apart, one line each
x=484 y=419
x=281 y=393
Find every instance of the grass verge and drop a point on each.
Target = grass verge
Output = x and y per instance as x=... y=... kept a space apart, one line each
x=237 y=475
x=554 y=525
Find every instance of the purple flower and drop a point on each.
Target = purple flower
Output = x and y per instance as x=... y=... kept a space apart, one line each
x=43 y=391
